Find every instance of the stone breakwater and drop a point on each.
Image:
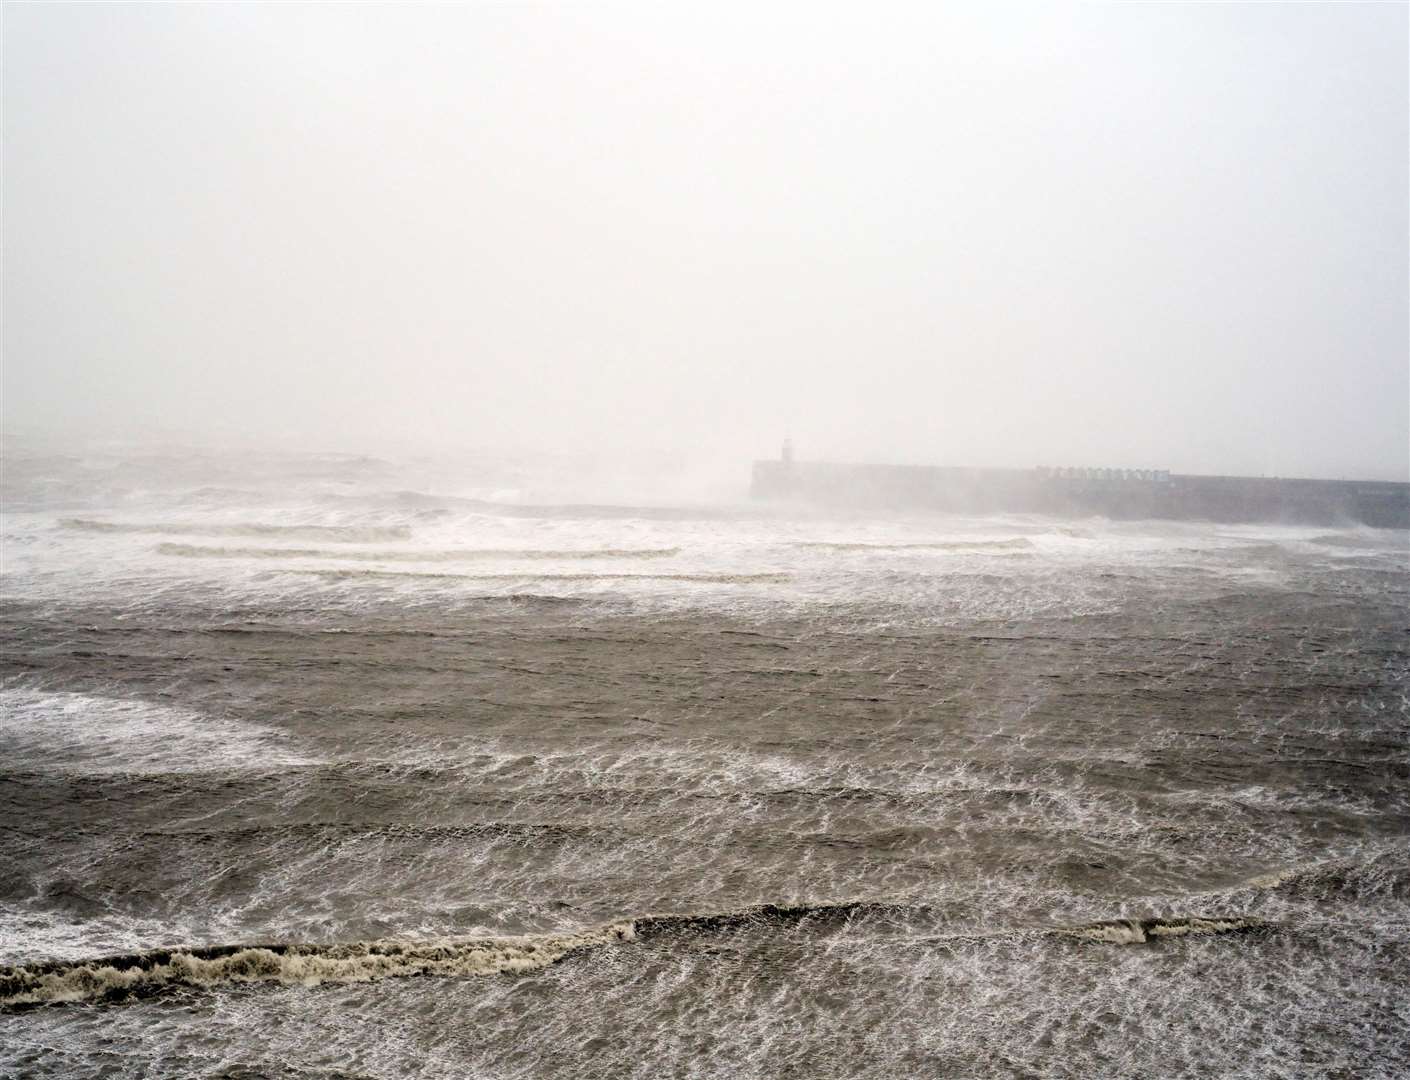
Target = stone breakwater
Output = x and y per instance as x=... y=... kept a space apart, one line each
x=1113 y=493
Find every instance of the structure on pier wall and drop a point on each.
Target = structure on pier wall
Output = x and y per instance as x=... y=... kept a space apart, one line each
x=1113 y=493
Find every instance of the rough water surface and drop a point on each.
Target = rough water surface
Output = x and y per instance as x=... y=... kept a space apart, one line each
x=686 y=790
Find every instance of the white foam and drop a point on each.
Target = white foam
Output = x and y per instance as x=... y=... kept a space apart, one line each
x=89 y=734
x=917 y=571
x=304 y=965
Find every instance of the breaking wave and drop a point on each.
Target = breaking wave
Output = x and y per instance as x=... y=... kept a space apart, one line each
x=87 y=734
x=1113 y=931
x=1139 y=931
x=137 y=974
x=116 y=978
x=338 y=534
x=1016 y=544
x=193 y=551
x=1385 y=874
x=701 y=579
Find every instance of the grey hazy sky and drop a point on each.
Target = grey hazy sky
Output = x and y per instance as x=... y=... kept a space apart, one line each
x=1130 y=235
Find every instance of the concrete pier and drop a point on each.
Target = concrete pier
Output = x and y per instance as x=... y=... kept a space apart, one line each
x=1112 y=493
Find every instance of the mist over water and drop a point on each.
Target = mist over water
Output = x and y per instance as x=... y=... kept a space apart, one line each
x=1140 y=237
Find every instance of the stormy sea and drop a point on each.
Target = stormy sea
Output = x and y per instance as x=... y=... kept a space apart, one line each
x=327 y=766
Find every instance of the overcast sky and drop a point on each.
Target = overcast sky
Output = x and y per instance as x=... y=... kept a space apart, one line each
x=1135 y=235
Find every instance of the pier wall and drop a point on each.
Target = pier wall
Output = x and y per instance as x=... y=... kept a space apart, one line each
x=1112 y=493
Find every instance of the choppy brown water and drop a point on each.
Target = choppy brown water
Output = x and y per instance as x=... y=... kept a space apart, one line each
x=796 y=797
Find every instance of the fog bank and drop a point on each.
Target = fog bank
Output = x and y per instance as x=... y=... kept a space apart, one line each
x=1137 y=236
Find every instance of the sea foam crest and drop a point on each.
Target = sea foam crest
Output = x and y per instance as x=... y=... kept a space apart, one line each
x=196 y=551
x=338 y=534
x=1140 y=931
x=89 y=734
x=307 y=965
x=137 y=974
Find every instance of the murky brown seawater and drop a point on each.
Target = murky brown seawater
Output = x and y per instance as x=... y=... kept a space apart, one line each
x=793 y=797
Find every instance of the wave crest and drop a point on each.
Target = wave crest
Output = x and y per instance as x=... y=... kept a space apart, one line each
x=1384 y=874
x=393 y=575
x=1140 y=931
x=338 y=534
x=1016 y=544
x=138 y=974
x=196 y=551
